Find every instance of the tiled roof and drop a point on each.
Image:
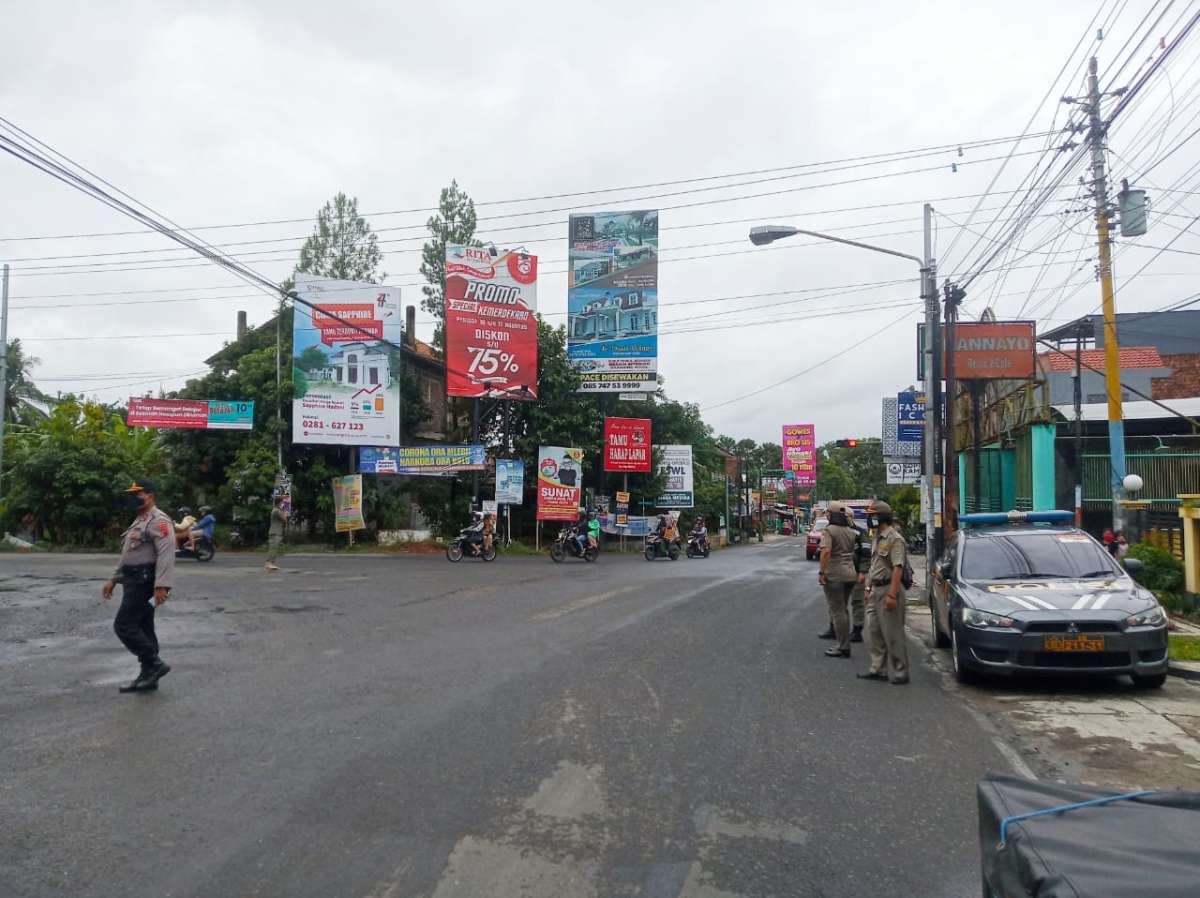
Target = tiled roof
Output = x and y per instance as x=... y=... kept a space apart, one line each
x=1131 y=357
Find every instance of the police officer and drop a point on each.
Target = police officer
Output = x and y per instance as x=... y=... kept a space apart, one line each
x=146 y=573
x=861 y=559
x=839 y=575
x=885 y=600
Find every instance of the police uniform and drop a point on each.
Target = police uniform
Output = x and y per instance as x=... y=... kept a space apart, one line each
x=841 y=577
x=885 y=628
x=147 y=563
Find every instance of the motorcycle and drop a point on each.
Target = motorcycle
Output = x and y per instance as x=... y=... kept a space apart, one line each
x=470 y=542
x=660 y=547
x=204 y=551
x=697 y=546
x=566 y=545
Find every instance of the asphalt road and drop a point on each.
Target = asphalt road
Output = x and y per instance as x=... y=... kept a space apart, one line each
x=400 y=726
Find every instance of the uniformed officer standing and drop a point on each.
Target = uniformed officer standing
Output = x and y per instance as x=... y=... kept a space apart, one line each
x=839 y=574
x=886 y=599
x=146 y=573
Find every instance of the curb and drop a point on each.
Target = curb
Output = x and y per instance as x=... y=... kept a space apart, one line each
x=1186 y=672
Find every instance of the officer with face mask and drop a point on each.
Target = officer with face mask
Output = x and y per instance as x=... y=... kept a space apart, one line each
x=885 y=600
x=845 y=517
x=839 y=574
x=146 y=573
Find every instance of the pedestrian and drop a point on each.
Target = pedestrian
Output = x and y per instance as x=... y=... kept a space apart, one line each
x=279 y=518
x=857 y=617
x=839 y=575
x=886 y=599
x=146 y=572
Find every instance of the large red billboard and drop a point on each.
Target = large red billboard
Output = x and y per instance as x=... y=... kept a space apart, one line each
x=627 y=445
x=800 y=453
x=491 y=329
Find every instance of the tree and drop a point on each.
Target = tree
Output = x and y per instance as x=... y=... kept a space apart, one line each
x=342 y=244
x=453 y=224
x=23 y=401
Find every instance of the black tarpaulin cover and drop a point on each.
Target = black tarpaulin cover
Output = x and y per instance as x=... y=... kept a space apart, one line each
x=1146 y=847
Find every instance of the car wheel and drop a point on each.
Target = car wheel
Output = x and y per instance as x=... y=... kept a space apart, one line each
x=1148 y=681
x=809 y=555
x=962 y=673
x=940 y=640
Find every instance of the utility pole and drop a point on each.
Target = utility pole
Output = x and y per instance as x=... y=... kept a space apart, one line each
x=3 y=367
x=1112 y=350
x=1079 y=424
x=933 y=404
x=279 y=384
x=954 y=296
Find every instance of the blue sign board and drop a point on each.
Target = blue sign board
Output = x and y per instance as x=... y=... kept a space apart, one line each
x=431 y=460
x=910 y=417
x=510 y=481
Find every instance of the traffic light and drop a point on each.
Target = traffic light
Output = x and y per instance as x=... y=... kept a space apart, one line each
x=847 y=444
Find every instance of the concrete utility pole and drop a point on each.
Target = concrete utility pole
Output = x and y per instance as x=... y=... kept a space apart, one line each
x=1112 y=350
x=933 y=404
x=3 y=366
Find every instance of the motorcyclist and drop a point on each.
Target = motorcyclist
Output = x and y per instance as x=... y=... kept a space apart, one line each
x=488 y=530
x=580 y=531
x=594 y=530
x=660 y=529
x=700 y=532
x=183 y=529
x=203 y=527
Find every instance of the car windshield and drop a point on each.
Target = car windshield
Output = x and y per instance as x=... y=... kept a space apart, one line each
x=821 y=524
x=1018 y=556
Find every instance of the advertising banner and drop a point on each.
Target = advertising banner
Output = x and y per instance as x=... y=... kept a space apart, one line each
x=491 y=330
x=987 y=350
x=910 y=417
x=612 y=300
x=628 y=525
x=676 y=464
x=347 y=503
x=199 y=414
x=283 y=487
x=510 y=481
x=622 y=516
x=560 y=480
x=900 y=470
x=800 y=453
x=627 y=445
x=346 y=371
x=434 y=460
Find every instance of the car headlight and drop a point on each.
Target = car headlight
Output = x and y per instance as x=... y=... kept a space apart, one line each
x=973 y=617
x=1151 y=617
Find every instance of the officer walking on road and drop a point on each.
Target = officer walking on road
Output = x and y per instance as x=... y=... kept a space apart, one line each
x=885 y=600
x=146 y=573
x=839 y=574
x=844 y=514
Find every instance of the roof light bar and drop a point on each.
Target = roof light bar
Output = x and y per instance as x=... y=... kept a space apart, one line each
x=983 y=519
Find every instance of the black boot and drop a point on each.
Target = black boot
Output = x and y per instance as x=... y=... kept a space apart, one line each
x=155 y=672
x=856 y=634
x=827 y=634
x=144 y=682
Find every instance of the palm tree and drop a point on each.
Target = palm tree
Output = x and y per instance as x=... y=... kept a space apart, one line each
x=23 y=401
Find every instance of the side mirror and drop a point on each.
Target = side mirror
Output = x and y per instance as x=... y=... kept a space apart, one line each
x=945 y=569
x=1134 y=565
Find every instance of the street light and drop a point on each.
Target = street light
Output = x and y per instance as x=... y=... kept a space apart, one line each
x=764 y=234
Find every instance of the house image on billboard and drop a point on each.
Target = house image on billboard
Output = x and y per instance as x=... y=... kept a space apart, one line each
x=357 y=363
x=590 y=269
x=613 y=317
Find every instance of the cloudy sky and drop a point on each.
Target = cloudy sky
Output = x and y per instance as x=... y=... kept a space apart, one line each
x=220 y=114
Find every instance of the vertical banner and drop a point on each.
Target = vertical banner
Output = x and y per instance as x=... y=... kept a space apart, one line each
x=283 y=487
x=800 y=453
x=345 y=364
x=510 y=481
x=347 y=503
x=560 y=480
x=612 y=301
x=910 y=417
x=627 y=445
x=676 y=465
x=491 y=330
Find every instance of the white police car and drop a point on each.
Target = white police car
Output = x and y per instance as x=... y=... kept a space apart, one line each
x=1027 y=591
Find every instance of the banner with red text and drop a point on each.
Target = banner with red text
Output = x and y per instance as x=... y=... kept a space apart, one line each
x=560 y=482
x=627 y=445
x=491 y=330
x=800 y=453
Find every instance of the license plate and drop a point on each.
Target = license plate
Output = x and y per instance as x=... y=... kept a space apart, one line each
x=1073 y=643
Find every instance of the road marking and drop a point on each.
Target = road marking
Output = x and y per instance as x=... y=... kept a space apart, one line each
x=581 y=603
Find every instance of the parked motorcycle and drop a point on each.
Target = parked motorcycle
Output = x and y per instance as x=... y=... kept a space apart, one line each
x=658 y=547
x=566 y=544
x=470 y=542
x=204 y=551
x=697 y=546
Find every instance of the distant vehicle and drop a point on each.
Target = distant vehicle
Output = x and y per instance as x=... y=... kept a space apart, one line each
x=812 y=545
x=1027 y=591
x=204 y=551
x=566 y=545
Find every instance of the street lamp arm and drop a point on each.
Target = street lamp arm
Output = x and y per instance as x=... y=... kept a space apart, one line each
x=878 y=249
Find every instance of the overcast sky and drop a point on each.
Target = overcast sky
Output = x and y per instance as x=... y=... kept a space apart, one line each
x=227 y=113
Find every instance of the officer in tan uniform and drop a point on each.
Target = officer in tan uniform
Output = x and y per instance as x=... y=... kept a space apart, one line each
x=885 y=600
x=839 y=574
x=146 y=573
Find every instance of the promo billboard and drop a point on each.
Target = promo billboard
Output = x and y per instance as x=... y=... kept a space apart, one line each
x=510 y=481
x=199 y=414
x=676 y=466
x=345 y=363
x=432 y=460
x=491 y=329
x=347 y=503
x=560 y=483
x=612 y=300
x=800 y=453
x=910 y=417
x=996 y=350
x=627 y=445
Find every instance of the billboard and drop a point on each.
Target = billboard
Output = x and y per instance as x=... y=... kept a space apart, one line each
x=800 y=453
x=199 y=414
x=627 y=445
x=428 y=460
x=676 y=465
x=491 y=329
x=910 y=417
x=901 y=471
x=510 y=481
x=345 y=363
x=612 y=300
x=995 y=350
x=560 y=482
x=347 y=503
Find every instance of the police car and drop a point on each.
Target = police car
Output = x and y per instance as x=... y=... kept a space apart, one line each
x=1027 y=591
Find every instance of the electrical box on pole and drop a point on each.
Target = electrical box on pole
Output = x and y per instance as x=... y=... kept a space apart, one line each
x=1133 y=208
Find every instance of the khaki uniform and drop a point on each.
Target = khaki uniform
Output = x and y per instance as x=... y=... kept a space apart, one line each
x=147 y=563
x=885 y=629
x=841 y=578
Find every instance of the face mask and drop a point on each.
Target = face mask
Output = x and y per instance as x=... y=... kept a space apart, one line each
x=883 y=519
x=134 y=501
x=873 y=522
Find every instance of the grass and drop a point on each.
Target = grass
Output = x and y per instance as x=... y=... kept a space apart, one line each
x=1183 y=648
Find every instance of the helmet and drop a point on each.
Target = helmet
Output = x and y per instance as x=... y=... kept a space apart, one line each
x=205 y=509
x=184 y=511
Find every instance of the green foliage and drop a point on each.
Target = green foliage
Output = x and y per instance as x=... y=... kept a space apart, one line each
x=1163 y=572
x=453 y=224
x=342 y=244
x=1183 y=648
x=23 y=401
x=906 y=506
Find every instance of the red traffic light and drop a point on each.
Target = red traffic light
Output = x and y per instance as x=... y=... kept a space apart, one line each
x=847 y=444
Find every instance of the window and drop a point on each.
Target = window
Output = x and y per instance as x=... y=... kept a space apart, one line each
x=372 y=376
x=338 y=374
x=1053 y=553
x=352 y=368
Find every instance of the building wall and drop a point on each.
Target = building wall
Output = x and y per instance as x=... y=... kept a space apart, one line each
x=1062 y=384
x=1184 y=380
